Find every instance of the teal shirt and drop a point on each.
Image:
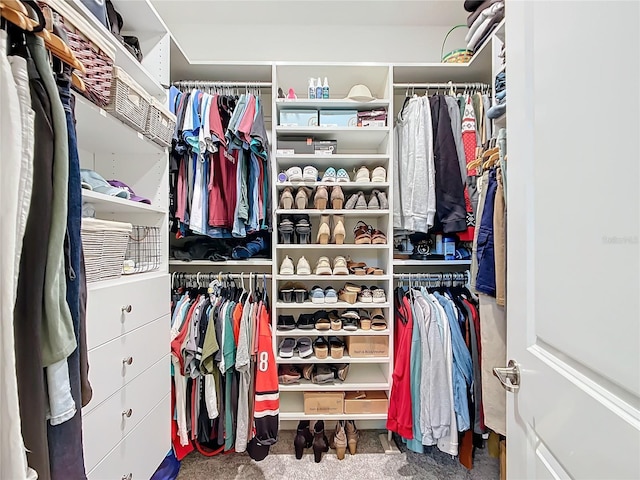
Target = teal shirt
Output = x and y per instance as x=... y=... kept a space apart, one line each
x=416 y=372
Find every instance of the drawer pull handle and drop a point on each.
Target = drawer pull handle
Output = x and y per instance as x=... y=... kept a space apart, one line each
x=127 y=361
x=127 y=309
x=128 y=476
x=127 y=413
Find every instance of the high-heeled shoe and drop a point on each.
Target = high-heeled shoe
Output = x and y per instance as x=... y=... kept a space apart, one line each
x=286 y=198
x=303 y=229
x=302 y=198
x=285 y=229
x=321 y=198
x=303 y=439
x=337 y=198
x=320 y=441
x=324 y=232
x=340 y=440
x=338 y=229
x=352 y=436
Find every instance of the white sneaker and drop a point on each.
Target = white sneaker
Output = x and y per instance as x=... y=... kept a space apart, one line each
x=379 y=175
x=323 y=267
x=303 y=267
x=362 y=175
x=310 y=174
x=286 y=268
x=294 y=174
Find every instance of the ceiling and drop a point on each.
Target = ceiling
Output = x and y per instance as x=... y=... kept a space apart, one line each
x=194 y=23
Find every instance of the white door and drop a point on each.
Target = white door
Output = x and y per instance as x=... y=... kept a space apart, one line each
x=573 y=238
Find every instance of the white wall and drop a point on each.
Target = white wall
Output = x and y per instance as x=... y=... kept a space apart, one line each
x=316 y=43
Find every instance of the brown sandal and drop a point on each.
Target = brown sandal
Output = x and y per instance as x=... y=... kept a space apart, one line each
x=356 y=268
x=374 y=271
x=378 y=322
x=378 y=237
x=362 y=233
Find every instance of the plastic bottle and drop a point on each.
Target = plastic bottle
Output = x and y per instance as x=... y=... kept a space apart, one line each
x=325 y=89
x=439 y=247
x=319 y=88
x=449 y=244
x=312 y=89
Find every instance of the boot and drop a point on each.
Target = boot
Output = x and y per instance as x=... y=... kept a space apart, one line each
x=340 y=440
x=352 y=436
x=320 y=442
x=304 y=438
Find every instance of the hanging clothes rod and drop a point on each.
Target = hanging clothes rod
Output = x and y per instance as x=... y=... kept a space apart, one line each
x=441 y=277
x=429 y=86
x=214 y=275
x=208 y=84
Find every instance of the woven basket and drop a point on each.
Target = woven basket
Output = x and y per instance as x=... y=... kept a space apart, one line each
x=104 y=244
x=89 y=47
x=461 y=55
x=129 y=102
x=160 y=123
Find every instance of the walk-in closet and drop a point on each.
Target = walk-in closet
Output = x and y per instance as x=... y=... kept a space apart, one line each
x=296 y=240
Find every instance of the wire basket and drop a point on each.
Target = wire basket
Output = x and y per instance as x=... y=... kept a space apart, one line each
x=129 y=102
x=143 y=250
x=160 y=123
x=104 y=244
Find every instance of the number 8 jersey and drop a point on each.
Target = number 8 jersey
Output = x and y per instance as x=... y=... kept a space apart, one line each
x=267 y=399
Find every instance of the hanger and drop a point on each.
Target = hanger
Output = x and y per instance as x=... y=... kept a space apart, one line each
x=492 y=160
x=16 y=16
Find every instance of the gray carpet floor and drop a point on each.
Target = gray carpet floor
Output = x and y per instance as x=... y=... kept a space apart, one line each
x=370 y=463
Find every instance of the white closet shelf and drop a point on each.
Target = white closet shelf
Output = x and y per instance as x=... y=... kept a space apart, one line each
x=360 y=377
x=348 y=138
x=297 y=332
x=329 y=306
x=255 y=262
x=335 y=278
x=108 y=204
x=438 y=263
x=331 y=246
x=330 y=103
x=292 y=408
x=349 y=213
x=343 y=185
x=140 y=17
x=347 y=161
x=125 y=279
x=100 y=132
x=124 y=58
x=345 y=359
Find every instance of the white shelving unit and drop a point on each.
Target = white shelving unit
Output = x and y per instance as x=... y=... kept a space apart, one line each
x=356 y=147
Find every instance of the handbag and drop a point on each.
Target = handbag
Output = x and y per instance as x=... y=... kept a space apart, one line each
x=99 y=10
x=116 y=23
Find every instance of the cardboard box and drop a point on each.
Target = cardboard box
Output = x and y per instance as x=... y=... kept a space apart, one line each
x=323 y=403
x=366 y=402
x=338 y=118
x=291 y=145
x=325 y=147
x=298 y=118
x=367 y=346
x=373 y=118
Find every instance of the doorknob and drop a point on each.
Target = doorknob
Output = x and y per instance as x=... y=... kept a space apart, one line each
x=509 y=376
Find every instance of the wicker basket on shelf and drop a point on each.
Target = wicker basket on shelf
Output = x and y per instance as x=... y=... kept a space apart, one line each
x=461 y=55
x=160 y=123
x=129 y=102
x=104 y=244
x=88 y=46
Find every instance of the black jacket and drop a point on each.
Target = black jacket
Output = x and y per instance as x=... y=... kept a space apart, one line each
x=451 y=210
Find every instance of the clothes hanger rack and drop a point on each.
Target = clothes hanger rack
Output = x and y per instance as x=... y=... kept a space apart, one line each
x=199 y=84
x=202 y=279
x=435 y=280
x=484 y=87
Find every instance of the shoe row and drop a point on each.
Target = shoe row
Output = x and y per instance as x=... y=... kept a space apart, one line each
x=344 y=436
x=318 y=373
x=324 y=266
x=350 y=293
x=297 y=229
x=311 y=174
x=333 y=196
x=350 y=320
x=322 y=347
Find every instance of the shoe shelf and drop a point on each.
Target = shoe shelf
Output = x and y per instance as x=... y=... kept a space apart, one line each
x=343 y=185
x=366 y=376
x=298 y=332
x=329 y=306
x=357 y=147
x=250 y=262
x=292 y=408
x=345 y=359
x=335 y=278
x=348 y=161
x=331 y=246
x=437 y=263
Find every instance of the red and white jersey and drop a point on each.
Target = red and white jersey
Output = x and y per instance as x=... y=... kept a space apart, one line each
x=267 y=398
